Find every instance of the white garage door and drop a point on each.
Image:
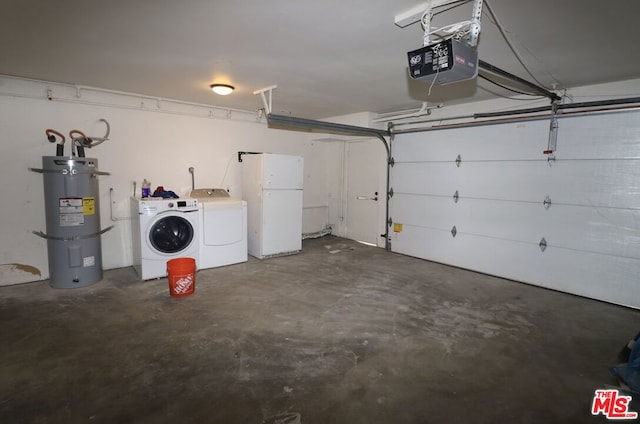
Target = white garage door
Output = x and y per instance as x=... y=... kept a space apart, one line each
x=572 y=224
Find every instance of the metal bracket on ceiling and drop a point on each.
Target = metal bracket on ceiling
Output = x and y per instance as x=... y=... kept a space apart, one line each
x=265 y=102
x=426 y=23
x=475 y=23
x=424 y=13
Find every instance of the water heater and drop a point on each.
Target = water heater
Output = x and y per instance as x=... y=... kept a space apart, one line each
x=72 y=210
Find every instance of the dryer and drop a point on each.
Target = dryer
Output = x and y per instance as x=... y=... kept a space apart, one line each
x=223 y=233
x=163 y=229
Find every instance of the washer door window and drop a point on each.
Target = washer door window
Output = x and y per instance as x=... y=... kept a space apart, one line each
x=171 y=234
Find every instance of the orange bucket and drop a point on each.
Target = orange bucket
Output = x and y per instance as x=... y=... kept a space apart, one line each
x=182 y=276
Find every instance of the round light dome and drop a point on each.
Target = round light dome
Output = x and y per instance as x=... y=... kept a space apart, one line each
x=222 y=89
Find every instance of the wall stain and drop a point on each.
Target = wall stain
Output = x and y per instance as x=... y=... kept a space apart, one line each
x=15 y=273
x=27 y=268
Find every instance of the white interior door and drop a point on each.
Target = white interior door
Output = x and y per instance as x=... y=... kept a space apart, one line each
x=365 y=187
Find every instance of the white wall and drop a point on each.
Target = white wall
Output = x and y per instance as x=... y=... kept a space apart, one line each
x=154 y=139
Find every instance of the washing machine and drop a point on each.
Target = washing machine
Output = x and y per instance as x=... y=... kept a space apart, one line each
x=163 y=229
x=223 y=228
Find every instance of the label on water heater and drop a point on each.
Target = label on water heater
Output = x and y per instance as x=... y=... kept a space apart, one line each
x=89 y=205
x=71 y=211
x=88 y=261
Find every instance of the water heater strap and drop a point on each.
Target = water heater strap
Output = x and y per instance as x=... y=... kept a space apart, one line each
x=83 y=237
x=66 y=171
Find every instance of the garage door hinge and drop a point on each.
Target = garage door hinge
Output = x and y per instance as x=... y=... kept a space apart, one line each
x=458 y=161
x=390 y=194
x=551 y=158
x=390 y=222
x=456 y=196
x=547 y=202
x=542 y=244
x=454 y=231
x=392 y=162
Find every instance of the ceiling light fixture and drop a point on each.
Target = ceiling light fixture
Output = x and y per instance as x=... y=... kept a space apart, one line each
x=222 y=89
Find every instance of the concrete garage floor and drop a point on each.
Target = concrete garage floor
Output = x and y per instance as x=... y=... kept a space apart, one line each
x=342 y=333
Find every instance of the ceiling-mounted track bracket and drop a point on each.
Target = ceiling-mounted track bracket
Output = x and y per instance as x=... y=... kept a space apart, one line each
x=265 y=102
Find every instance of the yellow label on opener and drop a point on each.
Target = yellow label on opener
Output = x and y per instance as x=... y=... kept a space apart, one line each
x=89 y=205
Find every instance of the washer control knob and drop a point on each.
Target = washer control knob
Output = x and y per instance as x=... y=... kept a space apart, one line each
x=170 y=204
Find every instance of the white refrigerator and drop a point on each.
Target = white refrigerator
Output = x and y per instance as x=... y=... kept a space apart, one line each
x=272 y=186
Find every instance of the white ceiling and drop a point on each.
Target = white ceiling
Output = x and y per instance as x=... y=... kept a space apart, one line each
x=328 y=57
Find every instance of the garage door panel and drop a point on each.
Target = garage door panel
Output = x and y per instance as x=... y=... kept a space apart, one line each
x=420 y=178
x=600 y=136
x=604 y=231
x=597 y=136
x=611 y=232
x=524 y=140
x=605 y=183
x=440 y=213
x=555 y=268
x=525 y=181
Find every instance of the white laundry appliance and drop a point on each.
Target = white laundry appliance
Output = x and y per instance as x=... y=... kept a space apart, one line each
x=163 y=229
x=223 y=228
x=272 y=186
